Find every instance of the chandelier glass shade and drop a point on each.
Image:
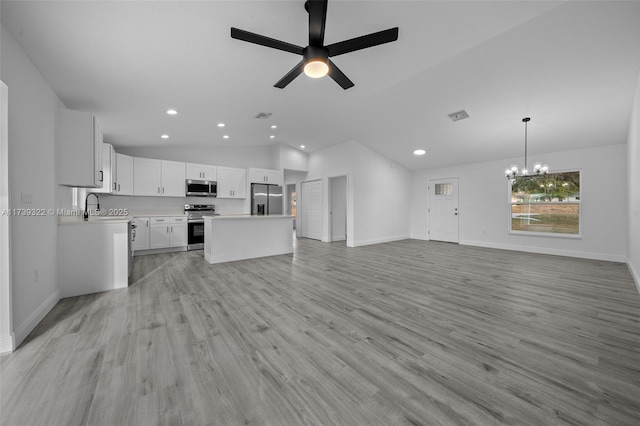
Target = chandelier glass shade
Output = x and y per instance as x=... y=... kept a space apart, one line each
x=539 y=169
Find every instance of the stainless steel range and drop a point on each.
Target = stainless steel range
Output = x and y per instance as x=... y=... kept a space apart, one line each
x=195 y=223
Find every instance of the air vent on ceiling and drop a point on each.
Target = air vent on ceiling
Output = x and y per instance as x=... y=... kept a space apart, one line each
x=460 y=115
x=264 y=115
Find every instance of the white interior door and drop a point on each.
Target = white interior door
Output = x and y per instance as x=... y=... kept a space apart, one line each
x=443 y=210
x=311 y=209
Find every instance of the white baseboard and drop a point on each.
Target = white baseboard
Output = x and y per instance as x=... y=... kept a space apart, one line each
x=544 y=250
x=380 y=240
x=34 y=319
x=7 y=344
x=634 y=275
x=341 y=238
x=419 y=237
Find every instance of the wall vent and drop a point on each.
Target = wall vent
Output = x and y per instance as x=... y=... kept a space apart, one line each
x=264 y=115
x=457 y=116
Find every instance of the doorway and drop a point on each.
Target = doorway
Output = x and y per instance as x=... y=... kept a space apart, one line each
x=311 y=209
x=443 y=210
x=338 y=208
x=292 y=202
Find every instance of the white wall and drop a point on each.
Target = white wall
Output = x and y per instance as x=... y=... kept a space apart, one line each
x=292 y=159
x=338 y=207
x=633 y=171
x=378 y=192
x=484 y=211
x=381 y=198
x=32 y=128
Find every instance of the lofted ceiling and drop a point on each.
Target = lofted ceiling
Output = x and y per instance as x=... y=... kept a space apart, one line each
x=571 y=66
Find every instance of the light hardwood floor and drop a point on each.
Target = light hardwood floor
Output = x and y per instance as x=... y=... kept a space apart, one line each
x=409 y=332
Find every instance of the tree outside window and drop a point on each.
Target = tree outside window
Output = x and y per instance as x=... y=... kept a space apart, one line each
x=547 y=204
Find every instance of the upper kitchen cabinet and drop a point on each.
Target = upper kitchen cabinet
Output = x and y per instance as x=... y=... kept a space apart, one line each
x=147 y=176
x=124 y=174
x=202 y=172
x=109 y=173
x=158 y=178
x=266 y=176
x=173 y=178
x=232 y=182
x=79 y=149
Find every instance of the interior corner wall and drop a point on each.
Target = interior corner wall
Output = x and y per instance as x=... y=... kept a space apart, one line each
x=32 y=108
x=381 y=197
x=377 y=192
x=633 y=169
x=484 y=207
x=292 y=159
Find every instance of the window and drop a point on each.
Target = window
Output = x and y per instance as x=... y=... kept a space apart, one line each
x=546 y=205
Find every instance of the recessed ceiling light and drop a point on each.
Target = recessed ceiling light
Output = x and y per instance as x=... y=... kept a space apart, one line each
x=274 y=127
x=220 y=124
x=272 y=137
x=302 y=146
x=225 y=137
x=165 y=136
x=419 y=152
x=172 y=111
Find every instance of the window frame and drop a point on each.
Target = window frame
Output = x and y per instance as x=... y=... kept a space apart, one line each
x=510 y=203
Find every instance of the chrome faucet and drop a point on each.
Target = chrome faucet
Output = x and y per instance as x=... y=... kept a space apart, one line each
x=86 y=211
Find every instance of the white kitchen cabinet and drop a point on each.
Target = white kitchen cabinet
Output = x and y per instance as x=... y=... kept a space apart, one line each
x=165 y=232
x=202 y=172
x=173 y=178
x=147 y=176
x=141 y=241
x=266 y=176
x=78 y=149
x=92 y=257
x=158 y=178
x=124 y=174
x=109 y=173
x=232 y=182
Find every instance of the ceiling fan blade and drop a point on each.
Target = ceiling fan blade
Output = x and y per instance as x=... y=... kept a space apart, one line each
x=291 y=75
x=317 y=18
x=363 y=42
x=338 y=76
x=265 y=41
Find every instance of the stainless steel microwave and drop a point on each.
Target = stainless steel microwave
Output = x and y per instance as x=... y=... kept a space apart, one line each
x=201 y=188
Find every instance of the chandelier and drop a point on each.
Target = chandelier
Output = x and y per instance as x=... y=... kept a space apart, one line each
x=538 y=168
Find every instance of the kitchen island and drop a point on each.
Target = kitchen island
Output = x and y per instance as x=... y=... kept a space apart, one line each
x=237 y=237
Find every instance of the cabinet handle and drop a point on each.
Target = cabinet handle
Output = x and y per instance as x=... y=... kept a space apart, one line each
x=163 y=189
x=158 y=190
x=101 y=175
x=172 y=229
x=118 y=187
x=167 y=229
x=115 y=186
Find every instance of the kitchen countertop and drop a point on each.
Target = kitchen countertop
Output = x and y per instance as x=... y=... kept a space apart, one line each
x=248 y=216
x=99 y=219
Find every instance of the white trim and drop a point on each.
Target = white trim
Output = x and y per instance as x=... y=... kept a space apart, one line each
x=36 y=316
x=380 y=240
x=544 y=250
x=7 y=338
x=7 y=344
x=340 y=238
x=419 y=237
x=634 y=275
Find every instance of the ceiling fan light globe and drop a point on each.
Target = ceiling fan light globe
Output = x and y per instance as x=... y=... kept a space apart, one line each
x=316 y=68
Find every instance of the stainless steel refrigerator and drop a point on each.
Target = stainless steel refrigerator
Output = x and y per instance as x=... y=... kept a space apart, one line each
x=266 y=199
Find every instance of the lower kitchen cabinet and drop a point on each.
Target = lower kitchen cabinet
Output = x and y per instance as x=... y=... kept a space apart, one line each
x=165 y=232
x=141 y=241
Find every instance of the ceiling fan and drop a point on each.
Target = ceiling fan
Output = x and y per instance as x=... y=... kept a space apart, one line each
x=315 y=57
